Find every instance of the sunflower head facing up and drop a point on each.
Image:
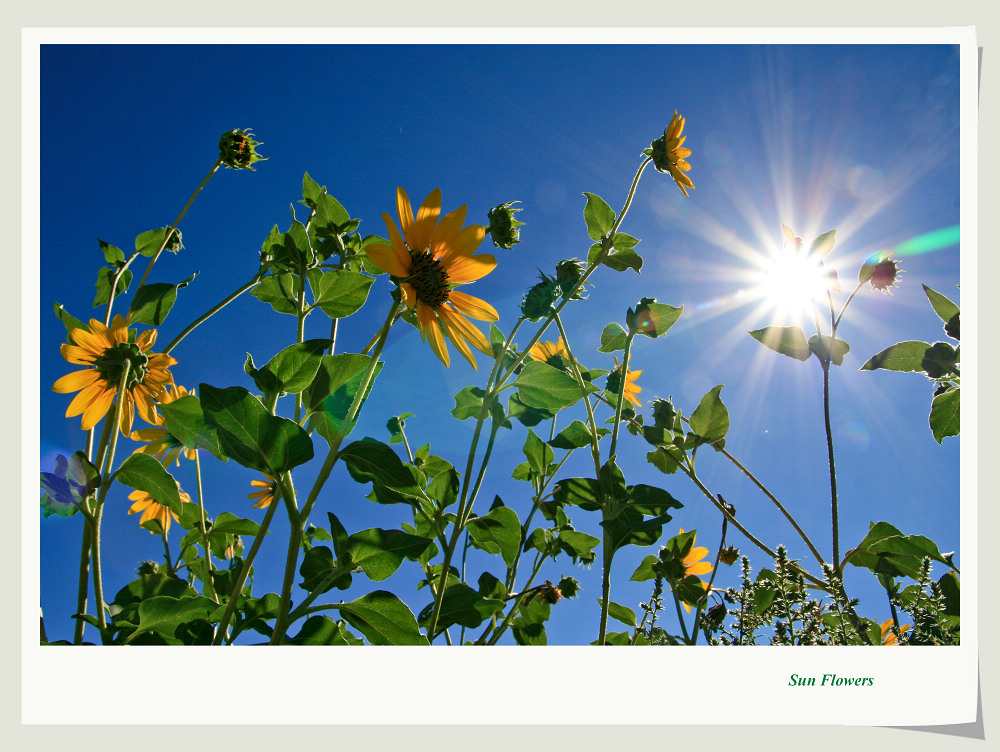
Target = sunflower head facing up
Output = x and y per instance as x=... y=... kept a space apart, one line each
x=549 y=352
x=108 y=353
x=428 y=259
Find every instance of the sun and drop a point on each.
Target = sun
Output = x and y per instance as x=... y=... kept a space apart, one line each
x=791 y=283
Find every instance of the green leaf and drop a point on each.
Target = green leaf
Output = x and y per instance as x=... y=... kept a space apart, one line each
x=328 y=399
x=462 y=605
x=651 y=500
x=575 y=435
x=380 y=552
x=383 y=619
x=104 y=277
x=710 y=420
x=613 y=338
x=185 y=421
x=72 y=482
x=528 y=416
x=70 y=322
x=645 y=570
x=152 y=303
x=149 y=242
x=322 y=630
x=163 y=614
x=230 y=524
x=624 y=259
x=112 y=254
x=623 y=240
x=582 y=492
x=578 y=544
x=143 y=473
x=372 y=461
x=529 y=626
x=293 y=369
x=655 y=319
x=338 y=536
x=664 y=459
x=341 y=292
x=395 y=426
x=331 y=218
x=941 y=305
x=787 y=340
x=619 y=612
x=903 y=356
x=940 y=360
x=498 y=532
x=538 y=454
x=280 y=291
x=320 y=572
x=468 y=403
x=600 y=217
x=885 y=550
x=821 y=344
x=945 y=409
x=540 y=385
x=250 y=435
x=823 y=244
x=952 y=594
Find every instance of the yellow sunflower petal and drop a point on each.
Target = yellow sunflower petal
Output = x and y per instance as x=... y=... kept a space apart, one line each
x=446 y=230
x=390 y=258
x=463 y=269
x=74 y=382
x=86 y=397
x=405 y=212
x=702 y=567
x=432 y=332
x=146 y=340
x=473 y=306
x=465 y=242
x=76 y=354
x=423 y=227
x=408 y=293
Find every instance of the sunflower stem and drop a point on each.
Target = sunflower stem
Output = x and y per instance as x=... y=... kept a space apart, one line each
x=594 y=448
x=83 y=583
x=621 y=394
x=291 y=559
x=245 y=570
x=605 y=585
x=166 y=552
x=209 y=585
x=215 y=309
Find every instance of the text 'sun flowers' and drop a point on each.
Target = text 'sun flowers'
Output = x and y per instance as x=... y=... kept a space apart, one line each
x=428 y=259
x=106 y=351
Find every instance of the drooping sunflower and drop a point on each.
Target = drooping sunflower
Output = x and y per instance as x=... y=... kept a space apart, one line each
x=669 y=152
x=106 y=351
x=153 y=510
x=428 y=259
x=545 y=351
x=163 y=445
x=629 y=385
x=693 y=565
x=265 y=496
x=888 y=636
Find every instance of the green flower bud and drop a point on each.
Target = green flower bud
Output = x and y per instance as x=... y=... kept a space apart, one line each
x=568 y=273
x=880 y=271
x=174 y=243
x=238 y=149
x=539 y=300
x=569 y=587
x=664 y=414
x=503 y=227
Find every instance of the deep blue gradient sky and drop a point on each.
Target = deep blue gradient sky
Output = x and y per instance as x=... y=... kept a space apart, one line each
x=859 y=138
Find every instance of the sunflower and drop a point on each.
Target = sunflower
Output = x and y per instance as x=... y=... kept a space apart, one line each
x=428 y=259
x=163 y=445
x=546 y=351
x=669 y=153
x=265 y=496
x=153 y=510
x=106 y=351
x=693 y=565
x=631 y=388
x=888 y=636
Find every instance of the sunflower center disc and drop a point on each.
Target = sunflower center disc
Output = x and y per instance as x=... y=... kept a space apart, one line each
x=112 y=363
x=429 y=279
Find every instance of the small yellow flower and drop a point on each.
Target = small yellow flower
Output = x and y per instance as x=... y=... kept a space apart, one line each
x=106 y=351
x=266 y=495
x=669 y=153
x=630 y=387
x=693 y=565
x=163 y=445
x=888 y=636
x=429 y=259
x=546 y=351
x=153 y=510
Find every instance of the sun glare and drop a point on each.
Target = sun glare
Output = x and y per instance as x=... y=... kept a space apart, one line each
x=791 y=283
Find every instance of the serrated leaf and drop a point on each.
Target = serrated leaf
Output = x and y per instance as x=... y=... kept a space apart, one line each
x=143 y=473
x=600 y=217
x=710 y=420
x=787 y=340
x=340 y=293
x=903 y=356
x=945 y=414
x=250 y=435
x=383 y=619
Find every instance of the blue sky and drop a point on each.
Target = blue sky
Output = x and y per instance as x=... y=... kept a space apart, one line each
x=861 y=138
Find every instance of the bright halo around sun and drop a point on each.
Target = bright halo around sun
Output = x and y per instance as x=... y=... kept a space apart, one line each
x=791 y=282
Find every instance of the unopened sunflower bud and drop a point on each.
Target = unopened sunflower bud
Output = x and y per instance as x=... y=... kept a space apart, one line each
x=148 y=567
x=568 y=587
x=549 y=593
x=568 y=273
x=173 y=243
x=538 y=301
x=238 y=149
x=715 y=615
x=880 y=271
x=503 y=227
x=664 y=414
x=729 y=555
